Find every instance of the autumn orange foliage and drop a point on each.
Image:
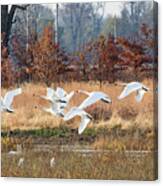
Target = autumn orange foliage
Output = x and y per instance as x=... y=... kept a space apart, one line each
x=7 y=72
x=104 y=59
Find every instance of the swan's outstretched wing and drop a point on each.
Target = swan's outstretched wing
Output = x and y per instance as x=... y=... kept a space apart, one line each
x=69 y=96
x=139 y=95
x=1 y=106
x=50 y=92
x=85 y=119
x=56 y=107
x=61 y=92
x=8 y=99
x=129 y=88
x=93 y=98
x=65 y=100
x=71 y=113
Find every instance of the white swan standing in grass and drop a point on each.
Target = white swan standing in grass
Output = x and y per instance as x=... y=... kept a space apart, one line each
x=137 y=87
x=79 y=111
x=6 y=102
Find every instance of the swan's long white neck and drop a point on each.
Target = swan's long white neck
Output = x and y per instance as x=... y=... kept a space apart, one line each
x=49 y=110
x=84 y=92
x=120 y=84
x=145 y=89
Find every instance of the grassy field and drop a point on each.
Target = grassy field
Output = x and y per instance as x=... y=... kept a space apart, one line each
x=120 y=126
x=74 y=166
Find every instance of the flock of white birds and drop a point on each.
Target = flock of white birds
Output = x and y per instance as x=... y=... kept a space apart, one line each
x=60 y=99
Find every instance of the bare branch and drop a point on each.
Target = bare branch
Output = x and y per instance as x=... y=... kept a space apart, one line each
x=14 y=21
x=22 y=7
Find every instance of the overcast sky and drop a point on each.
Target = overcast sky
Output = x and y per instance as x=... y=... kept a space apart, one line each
x=113 y=8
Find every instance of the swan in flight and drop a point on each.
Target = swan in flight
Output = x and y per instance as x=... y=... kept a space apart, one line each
x=59 y=97
x=79 y=111
x=6 y=102
x=93 y=97
x=55 y=110
x=85 y=117
x=51 y=95
x=66 y=99
x=64 y=96
x=137 y=87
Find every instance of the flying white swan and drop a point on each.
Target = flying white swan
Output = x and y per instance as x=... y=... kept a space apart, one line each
x=66 y=99
x=55 y=110
x=137 y=87
x=93 y=97
x=51 y=95
x=59 y=99
x=79 y=111
x=6 y=102
x=85 y=117
x=57 y=95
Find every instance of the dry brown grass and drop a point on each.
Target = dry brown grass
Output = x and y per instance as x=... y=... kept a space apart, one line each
x=71 y=165
x=127 y=113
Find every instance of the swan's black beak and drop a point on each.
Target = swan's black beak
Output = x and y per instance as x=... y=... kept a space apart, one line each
x=61 y=101
x=62 y=115
x=90 y=117
x=10 y=111
x=145 y=89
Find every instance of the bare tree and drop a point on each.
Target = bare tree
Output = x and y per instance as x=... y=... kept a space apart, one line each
x=7 y=16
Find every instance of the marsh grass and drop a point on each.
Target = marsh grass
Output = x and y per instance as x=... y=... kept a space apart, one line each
x=71 y=165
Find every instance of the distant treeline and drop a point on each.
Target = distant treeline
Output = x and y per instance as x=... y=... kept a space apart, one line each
x=87 y=45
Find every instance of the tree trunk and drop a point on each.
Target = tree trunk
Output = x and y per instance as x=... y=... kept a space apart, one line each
x=7 y=21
